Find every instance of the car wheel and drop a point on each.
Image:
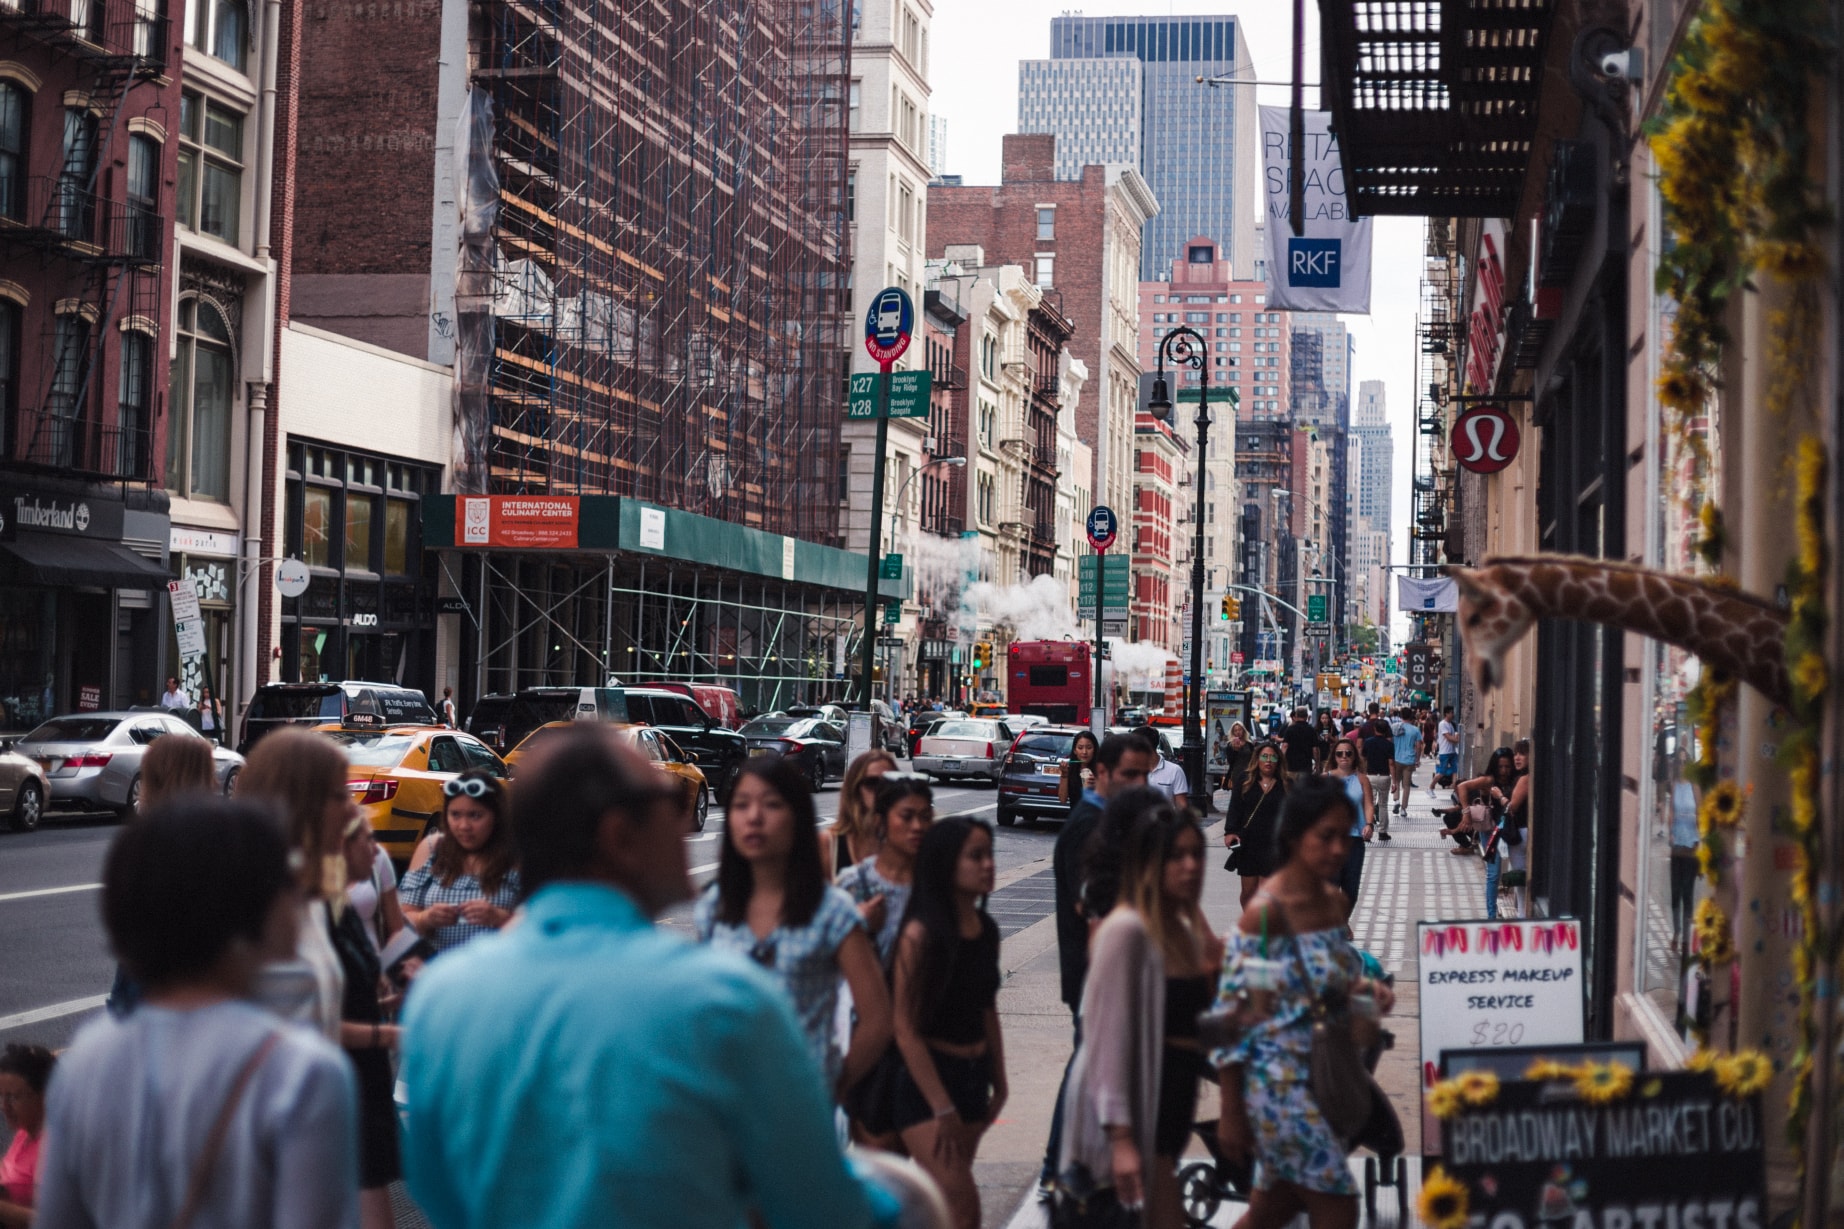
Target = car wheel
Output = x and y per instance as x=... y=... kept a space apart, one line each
x=29 y=807
x=816 y=774
x=133 y=806
x=701 y=809
x=1007 y=818
x=230 y=781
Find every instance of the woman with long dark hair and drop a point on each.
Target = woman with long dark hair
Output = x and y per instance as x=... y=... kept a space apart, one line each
x=1346 y=768
x=1485 y=808
x=470 y=884
x=1078 y=770
x=1254 y=810
x=904 y=809
x=946 y=976
x=771 y=902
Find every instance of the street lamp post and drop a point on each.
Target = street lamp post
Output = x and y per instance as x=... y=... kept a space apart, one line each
x=901 y=493
x=1187 y=348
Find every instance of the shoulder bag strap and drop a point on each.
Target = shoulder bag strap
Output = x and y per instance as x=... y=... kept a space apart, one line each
x=214 y=1142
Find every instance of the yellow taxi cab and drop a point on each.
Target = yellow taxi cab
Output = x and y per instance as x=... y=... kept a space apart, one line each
x=396 y=773
x=656 y=746
x=989 y=710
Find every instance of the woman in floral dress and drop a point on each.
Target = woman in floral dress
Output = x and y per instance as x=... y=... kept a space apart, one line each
x=1290 y=949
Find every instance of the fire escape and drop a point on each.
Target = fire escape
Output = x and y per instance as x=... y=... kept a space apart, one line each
x=98 y=234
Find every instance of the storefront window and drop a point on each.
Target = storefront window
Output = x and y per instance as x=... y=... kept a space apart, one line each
x=317 y=527
x=358 y=531
x=28 y=627
x=396 y=536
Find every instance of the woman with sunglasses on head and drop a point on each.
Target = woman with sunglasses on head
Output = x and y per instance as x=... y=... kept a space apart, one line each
x=951 y=1084
x=1254 y=812
x=904 y=809
x=771 y=903
x=1347 y=770
x=852 y=841
x=470 y=885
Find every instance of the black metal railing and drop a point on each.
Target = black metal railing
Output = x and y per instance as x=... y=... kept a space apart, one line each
x=79 y=445
x=118 y=33
x=60 y=212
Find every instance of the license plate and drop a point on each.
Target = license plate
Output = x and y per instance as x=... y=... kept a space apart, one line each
x=51 y=765
x=760 y=751
x=950 y=765
x=1050 y=770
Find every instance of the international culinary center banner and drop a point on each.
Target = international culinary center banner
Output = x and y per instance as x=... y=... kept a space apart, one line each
x=1327 y=267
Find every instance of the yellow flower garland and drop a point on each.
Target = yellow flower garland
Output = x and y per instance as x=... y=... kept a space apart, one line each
x=1600 y=1083
x=1444 y=1201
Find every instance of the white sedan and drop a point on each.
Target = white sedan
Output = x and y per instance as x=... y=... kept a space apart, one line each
x=969 y=747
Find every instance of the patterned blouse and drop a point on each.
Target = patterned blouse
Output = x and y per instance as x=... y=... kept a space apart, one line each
x=805 y=959
x=420 y=889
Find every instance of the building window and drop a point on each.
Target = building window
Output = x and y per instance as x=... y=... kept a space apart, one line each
x=210 y=167
x=76 y=204
x=9 y=370
x=135 y=410
x=220 y=27
x=358 y=530
x=143 y=188
x=317 y=527
x=69 y=374
x=853 y=104
x=1046 y=270
x=1046 y=223
x=13 y=128
x=199 y=398
x=851 y=196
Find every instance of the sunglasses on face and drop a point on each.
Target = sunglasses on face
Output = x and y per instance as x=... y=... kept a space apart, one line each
x=473 y=787
x=1341 y=755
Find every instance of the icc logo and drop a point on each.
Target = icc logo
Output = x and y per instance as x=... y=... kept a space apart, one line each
x=1485 y=439
x=476 y=519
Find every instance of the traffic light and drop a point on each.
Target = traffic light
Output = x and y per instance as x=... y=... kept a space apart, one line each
x=982 y=655
x=1231 y=609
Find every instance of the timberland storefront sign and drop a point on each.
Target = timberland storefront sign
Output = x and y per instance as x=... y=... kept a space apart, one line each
x=85 y=516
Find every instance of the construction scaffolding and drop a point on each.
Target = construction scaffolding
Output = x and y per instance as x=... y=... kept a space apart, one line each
x=654 y=277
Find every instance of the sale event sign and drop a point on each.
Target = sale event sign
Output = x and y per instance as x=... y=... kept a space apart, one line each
x=526 y=521
x=1496 y=983
x=1674 y=1152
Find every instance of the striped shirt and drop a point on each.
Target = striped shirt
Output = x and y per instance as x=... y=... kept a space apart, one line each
x=421 y=889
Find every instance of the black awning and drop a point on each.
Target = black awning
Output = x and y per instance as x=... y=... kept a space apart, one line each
x=58 y=559
x=1435 y=101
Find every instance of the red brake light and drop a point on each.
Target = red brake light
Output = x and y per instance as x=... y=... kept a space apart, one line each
x=988 y=750
x=378 y=789
x=789 y=743
x=89 y=760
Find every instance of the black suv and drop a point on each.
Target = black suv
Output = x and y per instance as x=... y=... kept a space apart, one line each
x=716 y=750
x=1031 y=772
x=278 y=704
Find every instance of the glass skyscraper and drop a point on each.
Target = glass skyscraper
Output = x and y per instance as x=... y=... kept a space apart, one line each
x=1125 y=89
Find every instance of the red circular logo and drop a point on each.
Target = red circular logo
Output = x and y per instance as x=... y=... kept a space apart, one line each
x=1485 y=439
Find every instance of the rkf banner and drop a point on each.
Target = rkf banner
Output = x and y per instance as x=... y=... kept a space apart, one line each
x=1326 y=269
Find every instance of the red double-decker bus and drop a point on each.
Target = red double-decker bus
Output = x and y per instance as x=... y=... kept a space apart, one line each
x=1050 y=678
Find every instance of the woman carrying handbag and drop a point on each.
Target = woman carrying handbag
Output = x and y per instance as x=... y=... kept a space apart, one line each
x=1293 y=1084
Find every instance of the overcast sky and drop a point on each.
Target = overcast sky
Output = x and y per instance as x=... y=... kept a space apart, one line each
x=975 y=47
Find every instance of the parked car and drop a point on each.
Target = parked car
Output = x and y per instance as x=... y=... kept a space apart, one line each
x=93 y=760
x=655 y=745
x=278 y=704
x=888 y=731
x=396 y=774
x=965 y=747
x=720 y=704
x=818 y=746
x=25 y=791
x=924 y=721
x=505 y=721
x=1167 y=747
x=831 y=713
x=1031 y=771
x=1130 y=715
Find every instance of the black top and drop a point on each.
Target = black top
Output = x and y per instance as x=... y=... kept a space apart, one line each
x=1254 y=815
x=1239 y=758
x=1185 y=999
x=1301 y=742
x=1071 y=926
x=958 y=1017
x=358 y=960
x=1378 y=750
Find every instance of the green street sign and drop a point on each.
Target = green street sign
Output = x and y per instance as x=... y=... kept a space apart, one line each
x=1115 y=586
x=890 y=567
x=909 y=393
x=1315 y=607
x=893 y=612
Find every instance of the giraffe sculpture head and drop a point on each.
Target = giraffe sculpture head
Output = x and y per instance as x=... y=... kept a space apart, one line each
x=1492 y=619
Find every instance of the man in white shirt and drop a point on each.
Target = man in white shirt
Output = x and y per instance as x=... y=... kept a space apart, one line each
x=1167 y=776
x=175 y=696
x=448 y=709
x=1447 y=749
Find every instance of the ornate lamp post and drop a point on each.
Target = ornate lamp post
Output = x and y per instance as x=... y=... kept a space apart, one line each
x=1187 y=348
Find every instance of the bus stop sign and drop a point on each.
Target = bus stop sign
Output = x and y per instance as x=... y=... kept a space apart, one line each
x=889 y=325
x=1103 y=525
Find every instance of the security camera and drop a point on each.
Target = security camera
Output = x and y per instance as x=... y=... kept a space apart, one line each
x=1629 y=64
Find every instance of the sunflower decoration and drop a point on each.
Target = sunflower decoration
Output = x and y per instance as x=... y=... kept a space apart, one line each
x=1811 y=677
x=1478 y=1087
x=1706 y=860
x=1443 y=1202
x=1722 y=806
x=1716 y=947
x=1703 y=1060
x=1445 y=1100
x=1600 y=1083
x=1744 y=1073
x=1708 y=919
x=1548 y=1069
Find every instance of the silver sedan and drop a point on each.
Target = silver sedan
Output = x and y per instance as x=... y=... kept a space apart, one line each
x=93 y=760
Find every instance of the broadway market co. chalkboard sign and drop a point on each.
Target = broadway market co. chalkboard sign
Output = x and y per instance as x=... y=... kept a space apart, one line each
x=1674 y=1152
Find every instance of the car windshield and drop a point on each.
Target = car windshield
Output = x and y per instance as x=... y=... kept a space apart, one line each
x=74 y=730
x=966 y=729
x=775 y=725
x=373 y=750
x=1046 y=744
x=295 y=705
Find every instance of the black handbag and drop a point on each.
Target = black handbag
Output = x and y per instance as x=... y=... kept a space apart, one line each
x=1077 y=1203
x=871 y=1102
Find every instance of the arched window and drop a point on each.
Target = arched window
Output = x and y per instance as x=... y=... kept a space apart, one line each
x=201 y=391
x=13 y=128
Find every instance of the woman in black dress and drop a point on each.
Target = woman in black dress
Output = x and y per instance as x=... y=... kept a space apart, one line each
x=368 y=1042
x=1253 y=813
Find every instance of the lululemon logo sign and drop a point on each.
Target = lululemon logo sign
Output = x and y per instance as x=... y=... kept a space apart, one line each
x=1485 y=439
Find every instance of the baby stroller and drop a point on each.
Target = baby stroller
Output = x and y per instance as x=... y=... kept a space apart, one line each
x=1205 y=1186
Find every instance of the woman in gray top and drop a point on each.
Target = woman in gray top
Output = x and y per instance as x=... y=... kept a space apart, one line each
x=200 y=1110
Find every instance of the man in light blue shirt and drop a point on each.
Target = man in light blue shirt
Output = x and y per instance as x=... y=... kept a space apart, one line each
x=585 y=1069
x=1407 y=737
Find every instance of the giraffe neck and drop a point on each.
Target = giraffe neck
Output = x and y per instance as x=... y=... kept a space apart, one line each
x=1739 y=635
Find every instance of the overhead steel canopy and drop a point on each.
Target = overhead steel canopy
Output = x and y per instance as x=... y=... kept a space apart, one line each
x=1435 y=101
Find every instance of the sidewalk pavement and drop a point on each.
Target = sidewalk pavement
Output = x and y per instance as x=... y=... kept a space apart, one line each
x=1411 y=877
